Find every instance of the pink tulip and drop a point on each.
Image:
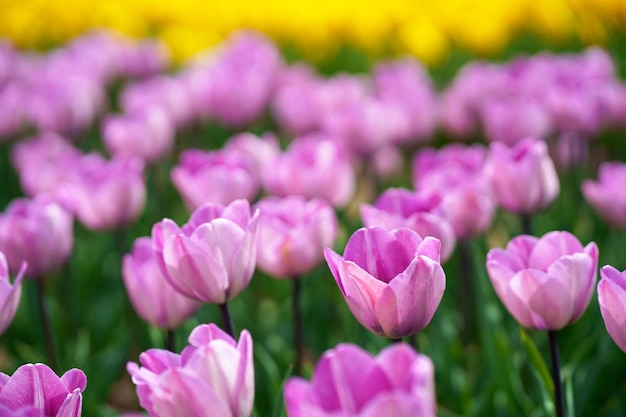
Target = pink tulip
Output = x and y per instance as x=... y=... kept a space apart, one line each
x=607 y=195
x=37 y=232
x=391 y=281
x=9 y=293
x=397 y=207
x=349 y=382
x=313 y=166
x=293 y=233
x=523 y=176
x=546 y=283
x=213 y=377
x=212 y=258
x=612 y=299
x=37 y=387
x=153 y=298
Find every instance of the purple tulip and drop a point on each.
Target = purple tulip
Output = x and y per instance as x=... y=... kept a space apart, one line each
x=213 y=377
x=314 y=165
x=153 y=298
x=260 y=151
x=391 y=281
x=612 y=299
x=607 y=195
x=293 y=233
x=35 y=390
x=349 y=382
x=38 y=232
x=523 y=176
x=546 y=283
x=13 y=97
x=510 y=119
x=218 y=177
x=9 y=293
x=398 y=207
x=212 y=258
x=105 y=195
x=147 y=134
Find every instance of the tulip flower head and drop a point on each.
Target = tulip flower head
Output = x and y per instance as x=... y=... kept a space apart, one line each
x=392 y=281
x=607 y=195
x=348 y=381
x=213 y=377
x=612 y=299
x=546 y=283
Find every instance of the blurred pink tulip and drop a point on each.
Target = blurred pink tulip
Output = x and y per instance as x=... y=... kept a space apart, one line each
x=9 y=293
x=546 y=283
x=212 y=257
x=391 y=281
x=213 y=377
x=153 y=298
x=37 y=232
x=523 y=176
x=314 y=165
x=349 y=382
x=36 y=388
x=607 y=195
x=612 y=299
x=293 y=233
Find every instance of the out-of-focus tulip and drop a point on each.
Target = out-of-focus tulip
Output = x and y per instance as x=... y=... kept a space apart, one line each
x=37 y=387
x=348 y=381
x=213 y=377
x=391 y=280
x=105 y=195
x=509 y=120
x=293 y=233
x=218 y=177
x=9 y=293
x=38 y=232
x=398 y=207
x=153 y=298
x=546 y=283
x=147 y=134
x=212 y=258
x=612 y=299
x=313 y=166
x=260 y=151
x=523 y=176
x=607 y=195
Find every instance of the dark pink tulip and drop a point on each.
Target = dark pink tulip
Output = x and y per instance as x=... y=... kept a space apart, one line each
x=607 y=195
x=314 y=165
x=147 y=134
x=546 y=283
x=612 y=299
x=218 y=177
x=38 y=387
x=213 y=256
x=213 y=377
x=153 y=298
x=38 y=232
x=293 y=233
x=349 y=382
x=391 y=281
x=523 y=176
x=105 y=194
x=398 y=207
x=9 y=293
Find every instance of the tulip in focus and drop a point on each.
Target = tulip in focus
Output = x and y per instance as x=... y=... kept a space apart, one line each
x=37 y=232
x=349 y=382
x=35 y=390
x=9 y=293
x=293 y=233
x=153 y=298
x=546 y=283
x=213 y=256
x=213 y=377
x=607 y=195
x=523 y=176
x=392 y=281
x=612 y=299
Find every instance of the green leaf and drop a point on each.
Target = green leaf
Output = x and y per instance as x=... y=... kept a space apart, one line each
x=537 y=362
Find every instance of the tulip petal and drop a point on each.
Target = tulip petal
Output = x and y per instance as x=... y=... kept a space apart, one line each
x=579 y=274
x=74 y=379
x=35 y=385
x=551 y=247
x=396 y=405
x=72 y=405
x=612 y=300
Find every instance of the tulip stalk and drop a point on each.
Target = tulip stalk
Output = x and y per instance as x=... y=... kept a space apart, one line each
x=527 y=226
x=227 y=320
x=466 y=295
x=559 y=401
x=170 y=340
x=45 y=323
x=297 y=326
